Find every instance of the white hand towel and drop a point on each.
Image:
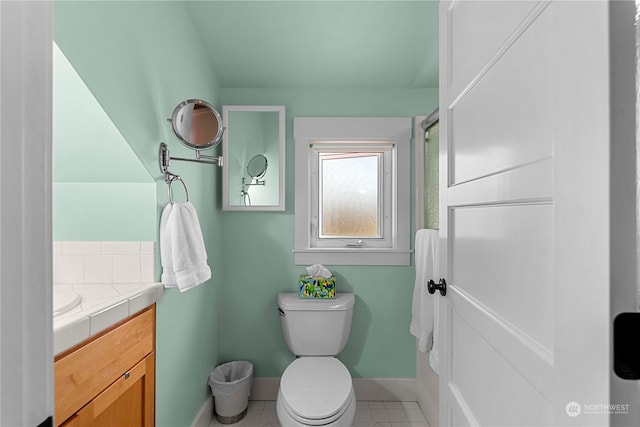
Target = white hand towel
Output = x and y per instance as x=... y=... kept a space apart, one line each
x=423 y=308
x=182 y=251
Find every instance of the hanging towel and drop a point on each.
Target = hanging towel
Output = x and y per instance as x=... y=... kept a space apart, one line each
x=182 y=251
x=424 y=307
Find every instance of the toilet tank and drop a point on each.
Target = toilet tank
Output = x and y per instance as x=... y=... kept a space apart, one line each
x=316 y=327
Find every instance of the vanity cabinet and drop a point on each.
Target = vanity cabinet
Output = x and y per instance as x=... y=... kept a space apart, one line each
x=109 y=380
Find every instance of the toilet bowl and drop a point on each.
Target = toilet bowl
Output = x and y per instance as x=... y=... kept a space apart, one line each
x=316 y=388
x=316 y=391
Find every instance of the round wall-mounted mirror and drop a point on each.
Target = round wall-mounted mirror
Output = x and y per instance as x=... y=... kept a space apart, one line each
x=197 y=124
x=257 y=166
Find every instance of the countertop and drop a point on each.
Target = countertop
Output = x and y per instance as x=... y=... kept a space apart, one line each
x=101 y=306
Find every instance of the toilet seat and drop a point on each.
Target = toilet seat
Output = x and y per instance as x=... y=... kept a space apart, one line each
x=316 y=390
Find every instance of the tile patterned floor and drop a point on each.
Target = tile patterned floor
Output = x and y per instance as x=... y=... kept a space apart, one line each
x=368 y=414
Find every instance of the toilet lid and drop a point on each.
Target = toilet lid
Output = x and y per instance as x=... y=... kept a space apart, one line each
x=316 y=388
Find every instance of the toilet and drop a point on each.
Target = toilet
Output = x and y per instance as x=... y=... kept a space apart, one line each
x=316 y=388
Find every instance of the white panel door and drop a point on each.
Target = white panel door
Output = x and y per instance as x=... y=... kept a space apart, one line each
x=26 y=330
x=526 y=213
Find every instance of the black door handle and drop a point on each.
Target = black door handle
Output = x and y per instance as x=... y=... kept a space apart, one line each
x=441 y=286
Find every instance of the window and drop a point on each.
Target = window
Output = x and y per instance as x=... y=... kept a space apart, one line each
x=350 y=181
x=352 y=191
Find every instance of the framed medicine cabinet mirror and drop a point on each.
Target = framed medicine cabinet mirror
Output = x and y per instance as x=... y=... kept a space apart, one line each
x=253 y=146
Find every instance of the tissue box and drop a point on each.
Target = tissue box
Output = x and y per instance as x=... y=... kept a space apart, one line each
x=317 y=287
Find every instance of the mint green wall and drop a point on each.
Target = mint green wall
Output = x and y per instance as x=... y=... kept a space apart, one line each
x=97 y=211
x=259 y=262
x=88 y=146
x=94 y=167
x=140 y=59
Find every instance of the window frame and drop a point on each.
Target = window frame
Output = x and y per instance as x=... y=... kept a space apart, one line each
x=350 y=131
x=385 y=151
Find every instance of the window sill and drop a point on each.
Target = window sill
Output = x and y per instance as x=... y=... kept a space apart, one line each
x=352 y=256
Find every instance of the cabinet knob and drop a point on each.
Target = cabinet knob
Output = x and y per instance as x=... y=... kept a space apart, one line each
x=126 y=375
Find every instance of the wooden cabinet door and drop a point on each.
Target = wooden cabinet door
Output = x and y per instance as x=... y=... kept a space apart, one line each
x=128 y=402
x=85 y=372
x=74 y=421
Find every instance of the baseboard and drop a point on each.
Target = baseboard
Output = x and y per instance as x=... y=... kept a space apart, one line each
x=265 y=388
x=205 y=414
x=386 y=389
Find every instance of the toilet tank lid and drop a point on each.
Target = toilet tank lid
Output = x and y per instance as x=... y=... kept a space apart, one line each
x=291 y=302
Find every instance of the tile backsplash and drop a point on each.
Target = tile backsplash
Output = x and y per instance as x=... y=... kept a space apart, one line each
x=103 y=262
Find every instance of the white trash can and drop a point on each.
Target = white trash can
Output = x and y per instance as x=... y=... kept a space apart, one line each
x=231 y=386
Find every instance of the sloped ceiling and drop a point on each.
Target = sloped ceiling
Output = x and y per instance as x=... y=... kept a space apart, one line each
x=355 y=44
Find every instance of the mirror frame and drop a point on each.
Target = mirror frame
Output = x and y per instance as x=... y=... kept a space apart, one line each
x=264 y=170
x=226 y=109
x=216 y=139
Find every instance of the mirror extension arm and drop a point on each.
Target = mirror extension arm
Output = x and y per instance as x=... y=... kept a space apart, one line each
x=165 y=159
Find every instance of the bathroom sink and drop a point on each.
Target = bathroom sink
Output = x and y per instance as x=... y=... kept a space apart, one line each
x=64 y=299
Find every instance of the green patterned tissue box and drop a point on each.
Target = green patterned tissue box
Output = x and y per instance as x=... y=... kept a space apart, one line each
x=317 y=287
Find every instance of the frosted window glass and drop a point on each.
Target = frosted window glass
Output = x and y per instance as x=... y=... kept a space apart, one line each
x=349 y=195
x=431 y=200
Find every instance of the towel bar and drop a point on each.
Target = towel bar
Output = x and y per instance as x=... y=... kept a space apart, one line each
x=170 y=181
